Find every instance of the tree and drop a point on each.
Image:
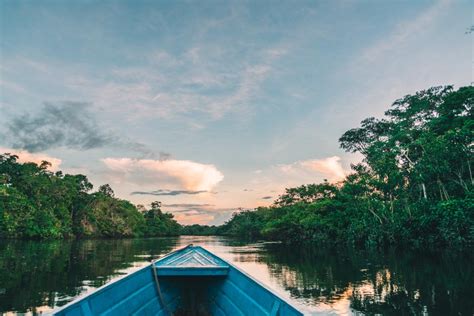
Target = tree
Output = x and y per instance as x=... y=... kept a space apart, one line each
x=36 y=203
x=414 y=186
x=105 y=189
x=158 y=223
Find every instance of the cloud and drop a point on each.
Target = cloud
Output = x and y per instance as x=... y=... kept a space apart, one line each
x=405 y=31
x=191 y=212
x=64 y=124
x=189 y=205
x=278 y=177
x=189 y=93
x=25 y=156
x=202 y=208
x=166 y=192
x=203 y=215
x=192 y=86
x=329 y=167
x=10 y=85
x=67 y=124
x=196 y=83
x=192 y=177
x=192 y=217
x=247 y=88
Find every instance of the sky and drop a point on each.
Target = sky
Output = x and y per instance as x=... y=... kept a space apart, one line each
x=214 y=106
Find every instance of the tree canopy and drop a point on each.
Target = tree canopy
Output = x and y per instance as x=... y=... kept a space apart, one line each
x=37 y=203
x=414 y=186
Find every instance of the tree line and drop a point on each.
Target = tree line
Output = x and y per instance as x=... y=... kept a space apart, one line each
x=413 y=188
x=37 y=203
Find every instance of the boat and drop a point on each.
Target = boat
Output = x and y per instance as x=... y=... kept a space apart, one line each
x=188 y=281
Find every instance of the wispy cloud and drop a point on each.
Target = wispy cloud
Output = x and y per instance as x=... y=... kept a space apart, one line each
x=177 y=86
x=191 y=176
x=203 y=214
x=12 y=86
x=194 y=86
x=204 y=87
x=211 y=209
x=167 y=192
x=193 y=217
x=247 y=88
x=406 y=30
x=189 y=205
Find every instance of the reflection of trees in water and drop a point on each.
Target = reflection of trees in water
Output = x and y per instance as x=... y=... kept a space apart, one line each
x=50 y=273
x=384 y=295
x=244 y=251
x=39 y=273
x=414 y=284
x=310 y=274
x=389 y=284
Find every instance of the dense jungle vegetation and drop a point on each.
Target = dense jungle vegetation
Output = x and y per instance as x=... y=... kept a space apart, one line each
x=37 y=203
x=413 y=188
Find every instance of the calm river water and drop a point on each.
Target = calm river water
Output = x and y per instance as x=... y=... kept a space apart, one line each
x=36 y=276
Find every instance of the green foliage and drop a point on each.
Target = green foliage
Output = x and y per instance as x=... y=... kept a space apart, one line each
x=414 y=186
x=158 y=223
x=246 y=224
x=110 y=217
x=200 y=230
x=36 y=203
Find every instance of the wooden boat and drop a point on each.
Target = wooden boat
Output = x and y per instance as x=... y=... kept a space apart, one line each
x=189 y=281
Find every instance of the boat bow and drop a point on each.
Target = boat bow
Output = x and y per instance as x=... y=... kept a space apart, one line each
x=191 y=261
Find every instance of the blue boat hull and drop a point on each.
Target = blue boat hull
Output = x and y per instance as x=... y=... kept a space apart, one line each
x=202 y=293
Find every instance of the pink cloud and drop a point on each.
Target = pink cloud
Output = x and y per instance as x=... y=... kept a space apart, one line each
x=330 y=168
x=189 y=175
x=193 y=218
x=25 y=156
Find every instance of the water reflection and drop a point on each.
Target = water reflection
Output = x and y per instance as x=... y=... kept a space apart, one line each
x=37 y=276
x=347 y=282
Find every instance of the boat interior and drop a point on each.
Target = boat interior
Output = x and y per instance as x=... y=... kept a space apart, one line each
x=192 y=282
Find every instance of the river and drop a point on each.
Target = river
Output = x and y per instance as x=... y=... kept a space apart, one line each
x=36 y=276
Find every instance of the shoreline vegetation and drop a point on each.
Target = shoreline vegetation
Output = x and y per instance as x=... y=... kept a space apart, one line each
x=413 y=188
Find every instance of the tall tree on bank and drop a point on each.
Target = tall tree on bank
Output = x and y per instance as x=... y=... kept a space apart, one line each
x=424 y=146
x=414 y=186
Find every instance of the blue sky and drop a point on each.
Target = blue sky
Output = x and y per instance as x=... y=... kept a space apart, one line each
x=210 y=106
